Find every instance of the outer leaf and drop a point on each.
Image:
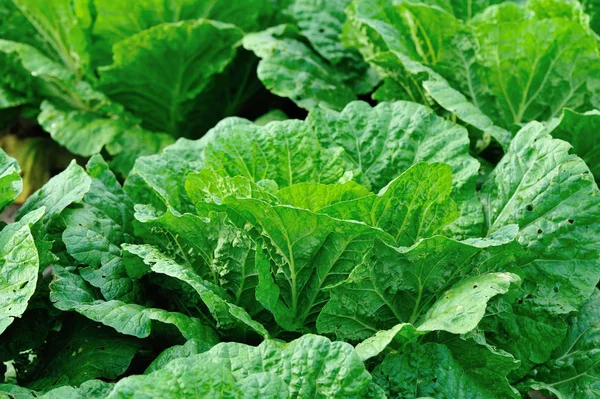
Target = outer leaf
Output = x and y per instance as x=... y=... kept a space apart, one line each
x=373 y=346
x=95 y=230
x=18 y=273
x=400 y=285
x=431 y=370
x=81 y=132
x=322 y=24
x=87 y=131
x=574 y=368
x=89 y=389
x=309 y=367
x=80 y=352
x=11 y=184
x=116 y=21
x=289 y=68
x=226 y=314
x=463 y=306
x=61 y=191
x=191 y=347
x=158 y=179
x=553 y=198
x=386 y=140
x=185 y=379
x=70 y=292
x=92 y=388
x=580 y=130
x=135 y=143
x=187 y=58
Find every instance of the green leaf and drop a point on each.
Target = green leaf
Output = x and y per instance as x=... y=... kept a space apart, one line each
x=116 y=21
x=184 y=60
x=552 y=197
x=524 y=329
x=134 y=143
x=322 y=24
x=82 y=351
x=64 y=25
x=316 y=196
x=459 y=311
x=18 y=273
x=81 y=132
x=431 y=370
x=95 y=231
x=191 y=347
x=463 y=306
x=415 y=205
x=290 y=68
x=305 y=252
x=11 y=184
x=308 y=367
x=158 y=180
x=385 y=140
x=186 y=380
x=579 y=130
x=227 y=314
x=62 y=190
x=400 y=285
x=69 y=291
x=455 y=102
x=373 y=346
x=574 y=366
x=89 y=389
x=286 y=152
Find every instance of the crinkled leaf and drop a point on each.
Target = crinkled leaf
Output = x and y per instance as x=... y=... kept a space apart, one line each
x=551 y=195
x=96 y=229
x=18 y=273
x=415 y=205
x=308 y=367
x=573 y=369
x=287 y=152
x=385 y=140
x=227 y=314
x=70 y=292
x=304 y=253
x=510 y=63
x=399 y=285
x=430 y=370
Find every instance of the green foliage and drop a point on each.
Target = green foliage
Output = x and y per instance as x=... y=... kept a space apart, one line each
x=439 y=241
